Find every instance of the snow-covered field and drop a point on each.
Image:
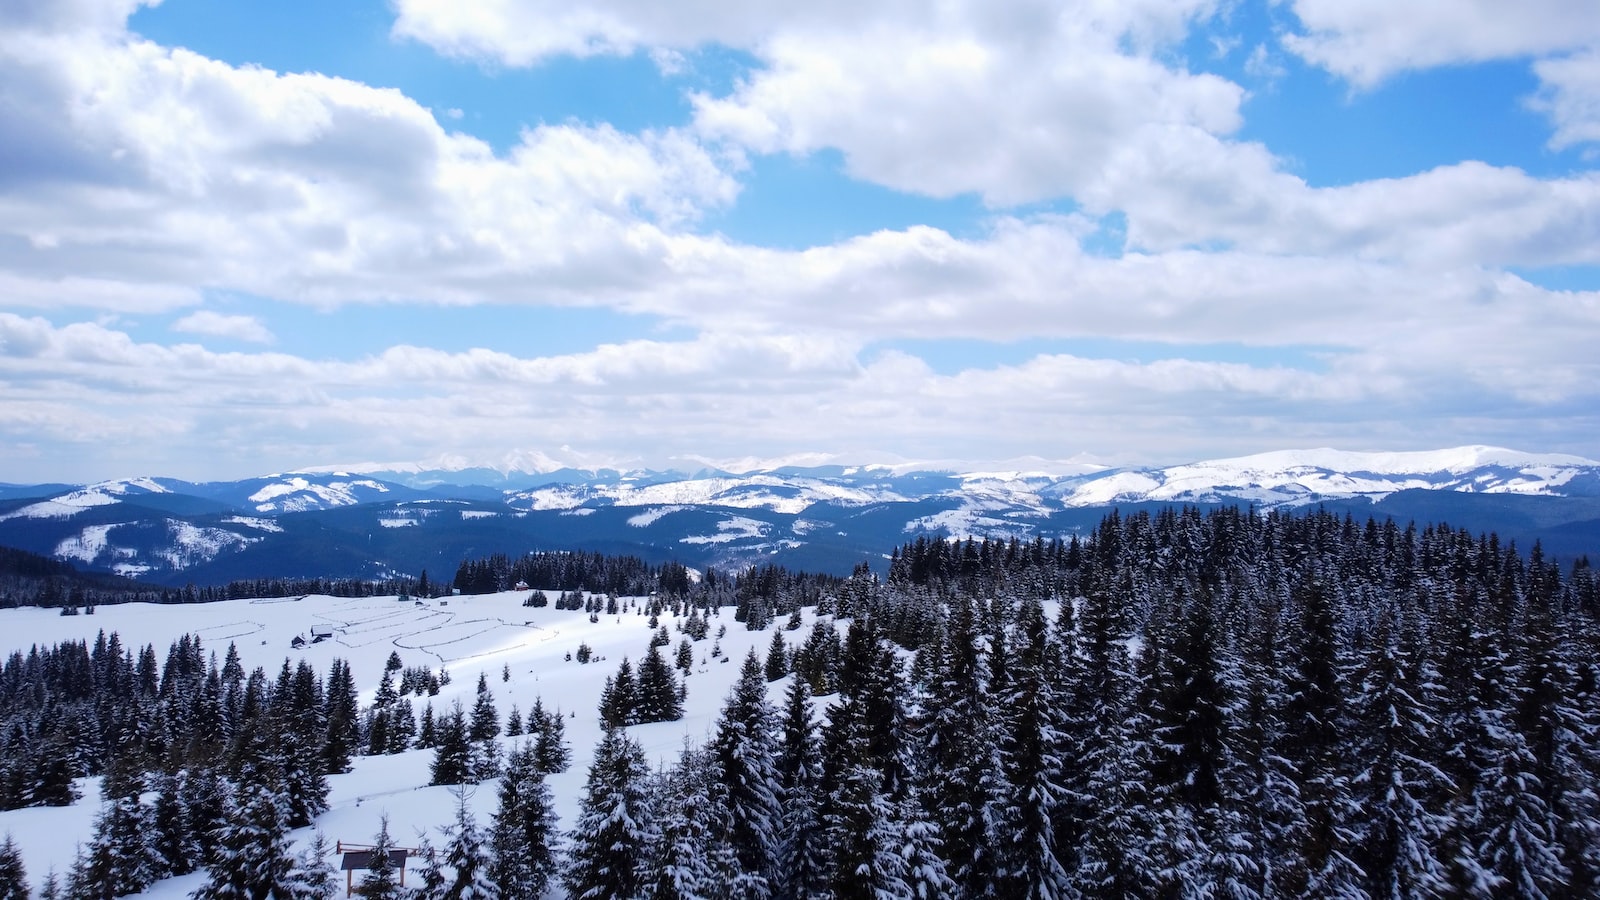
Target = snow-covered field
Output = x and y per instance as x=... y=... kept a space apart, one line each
x=464 y=635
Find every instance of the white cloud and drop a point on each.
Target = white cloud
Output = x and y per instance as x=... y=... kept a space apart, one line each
x=1366 y=41
x=215 y=324
x=162 y=169
x=154 y=176
x=1570 y=95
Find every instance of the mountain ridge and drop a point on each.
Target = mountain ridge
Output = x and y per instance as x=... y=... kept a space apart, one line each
x=830 y=516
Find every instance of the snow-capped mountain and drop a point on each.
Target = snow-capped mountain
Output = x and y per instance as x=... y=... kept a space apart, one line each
x=810 y=512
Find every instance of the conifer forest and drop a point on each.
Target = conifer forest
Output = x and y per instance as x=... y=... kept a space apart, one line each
x=1180 y=704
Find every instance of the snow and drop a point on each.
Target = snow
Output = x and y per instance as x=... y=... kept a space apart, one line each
x=735 y=528
x=297 y=494
x=66 y=505
x=87 y=546
x=253 y=522
x=472 y=634
x=1296 y=477
x=193 y=544
x=399 y=523
x=468 y=514
x=650 y=516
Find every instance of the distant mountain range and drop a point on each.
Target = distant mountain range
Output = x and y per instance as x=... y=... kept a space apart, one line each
x=378 y=520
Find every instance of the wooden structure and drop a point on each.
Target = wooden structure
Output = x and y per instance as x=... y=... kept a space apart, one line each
x=360 y=857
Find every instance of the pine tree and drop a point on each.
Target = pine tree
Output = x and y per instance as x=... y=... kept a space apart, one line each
x=381 y=882
x=174 y=840
x=1028 y=860
x=611 y=838
x=314 y=877
x=523 y=832
x=252 y=860
x=746 y=751
x=550 y=750
x=777 y=657
x=467 y=855
x=1398 y=850
x=658 y=690
x=690 y=861
x=802 y=872
x=958 y=728
x=50 y=889
x=619 y=699
x=452 y=755
x=13 y=876
x=120 y=858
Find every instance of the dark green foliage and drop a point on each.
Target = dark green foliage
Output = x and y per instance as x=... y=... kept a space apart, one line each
x=658 y=690
x=609 y=845
x=523 y=834
x=13 y=875
x=382 y=881
x=452 y=753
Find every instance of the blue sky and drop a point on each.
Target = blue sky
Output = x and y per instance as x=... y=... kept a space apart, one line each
x=246 y=239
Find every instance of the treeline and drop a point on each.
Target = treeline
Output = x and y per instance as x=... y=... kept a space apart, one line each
x=205 y=766
x=757 y=593
x=28 y=579
x=1181 y=705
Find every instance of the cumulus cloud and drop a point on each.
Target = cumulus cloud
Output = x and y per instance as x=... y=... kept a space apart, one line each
x=1570 y=96
x=238 y=328
x=1366 y=41
x=154 y=176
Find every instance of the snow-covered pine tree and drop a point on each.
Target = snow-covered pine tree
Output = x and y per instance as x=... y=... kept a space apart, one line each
x=13 y=875
x=689 y=859
x=381 y=881
x=960 y=766
x=121 y=858
x=432 y=879
x=466 y=852
x=314 y=877
x=522 y=835
x=1027 y=859
x=777 y=664
x=802 y=860
x=1399 y=832
x=746 y=749
x=481 y=732
x=619 y=699
x=174 y=839
x=611 y=838
x=550 y=751
x=50 y=888
x=252 y=860
x=658 y=690
x=452 y=754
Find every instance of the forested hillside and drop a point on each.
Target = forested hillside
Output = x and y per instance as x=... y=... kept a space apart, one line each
x=1183 y=704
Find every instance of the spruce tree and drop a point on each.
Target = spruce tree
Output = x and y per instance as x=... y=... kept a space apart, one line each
x=746 y=751
x=467 y=855
x=689 y=860
x=13 y=875
x=252 y=860
x=658 y=690
x=550 y=749
x=314 y=877
x=523 y=833
x=802 y=863
x=452 y=754
x=381 y=881
x=777 y=657
x=1027 y=858
x=610 y=842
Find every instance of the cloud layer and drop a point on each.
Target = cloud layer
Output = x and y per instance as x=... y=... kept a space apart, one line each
x=1122 y=208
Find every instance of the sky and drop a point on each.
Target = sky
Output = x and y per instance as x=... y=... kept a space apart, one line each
x=238 y=239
